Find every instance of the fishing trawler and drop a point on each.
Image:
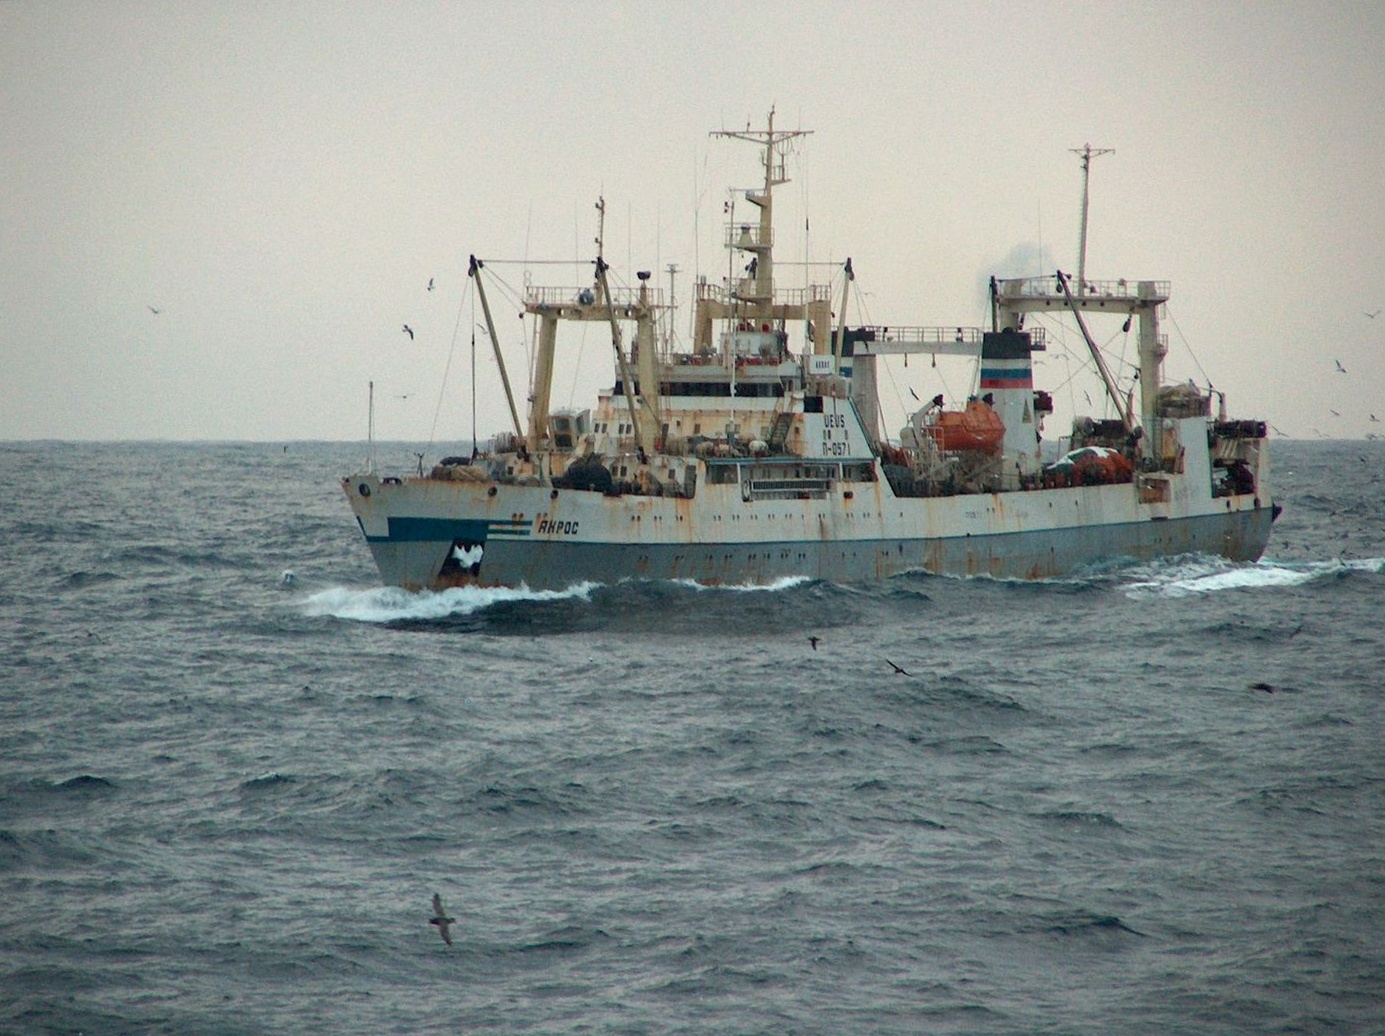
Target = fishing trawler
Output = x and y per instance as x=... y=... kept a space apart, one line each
x=755 y=453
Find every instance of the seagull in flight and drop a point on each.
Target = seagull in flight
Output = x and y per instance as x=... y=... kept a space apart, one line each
x=898 y=671
x=409 y=331
x=441 y=919
x=1340 y=368
x=1333 y=412
x=814 y=642
x=156 y=312
x=430 y=284
x=1372 y=316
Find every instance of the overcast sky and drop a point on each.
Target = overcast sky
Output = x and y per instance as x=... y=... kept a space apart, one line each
x=281 y=181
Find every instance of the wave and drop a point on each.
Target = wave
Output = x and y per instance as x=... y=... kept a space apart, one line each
x=43 y=851
x=75 y=787
x=655 y=600
x=82 y=579
x=86 y=783
x=573 y=937
x=384 y=604
x=1083 y=923
x=1184 y=576
x=1193 y=575
x=1080 y=818
x=777 y=586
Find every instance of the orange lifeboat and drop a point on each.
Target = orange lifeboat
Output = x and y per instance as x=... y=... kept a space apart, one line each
x=978 y=427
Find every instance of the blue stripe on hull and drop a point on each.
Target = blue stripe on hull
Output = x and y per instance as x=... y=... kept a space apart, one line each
x=435 y=530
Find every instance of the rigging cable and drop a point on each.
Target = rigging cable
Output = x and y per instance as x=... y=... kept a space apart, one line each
x=514 y=298
x=1079 y=363
x=473 y=372
x=1188 y=345
x=577 y=367
x=442 y=389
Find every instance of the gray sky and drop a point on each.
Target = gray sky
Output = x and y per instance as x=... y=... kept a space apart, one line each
x=281 y=180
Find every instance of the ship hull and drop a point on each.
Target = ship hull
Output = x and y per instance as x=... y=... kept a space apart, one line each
x=542 y=538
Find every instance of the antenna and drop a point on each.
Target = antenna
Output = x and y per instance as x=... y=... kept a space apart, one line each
x=672 y=269
x=370 y=430
x=1087 y=153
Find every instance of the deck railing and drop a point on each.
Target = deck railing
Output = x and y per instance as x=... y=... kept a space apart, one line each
x=709 y=292
x=621 y=298
x=940 y=336
x=1048 y=287
x=748 y=236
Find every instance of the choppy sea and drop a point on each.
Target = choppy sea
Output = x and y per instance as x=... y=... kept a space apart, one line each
x=234 y=770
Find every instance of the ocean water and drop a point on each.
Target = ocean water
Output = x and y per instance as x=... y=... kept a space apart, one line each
x=234 y=770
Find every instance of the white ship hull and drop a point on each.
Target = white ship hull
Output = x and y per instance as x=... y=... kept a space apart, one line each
x=548 y=539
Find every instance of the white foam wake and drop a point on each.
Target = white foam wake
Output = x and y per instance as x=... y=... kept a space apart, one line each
x=1186 y=577
x=391 y=604
x=777 y=585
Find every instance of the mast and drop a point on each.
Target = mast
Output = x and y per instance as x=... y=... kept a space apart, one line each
x=1152 y=351
x=644 y=416
x=753 y=297
x=758 y=289
x=627 y=381
x=839 y=339
x=1087 y=153
x=475 y=274
x=670 y=326
x=370 y=430
x=647 y=365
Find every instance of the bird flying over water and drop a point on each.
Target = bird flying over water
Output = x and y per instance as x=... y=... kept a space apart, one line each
x=430 y=284
x=898 y=671
x=814 y=642
x=409 y=331
x=156 y=312
x=441 y=919
x=1340 y=368
x=1372 y=316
